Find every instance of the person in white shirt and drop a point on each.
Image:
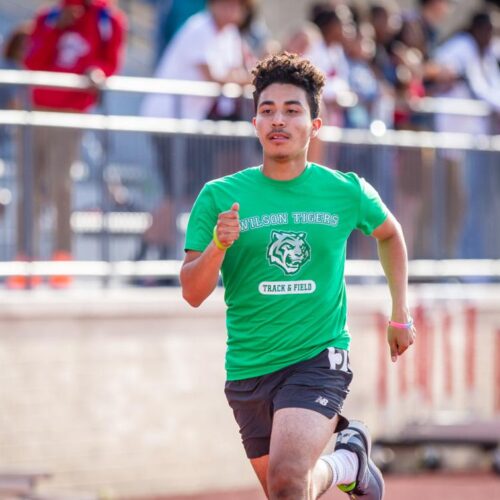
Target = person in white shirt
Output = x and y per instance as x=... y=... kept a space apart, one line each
x=469 y=54
x=208 y=47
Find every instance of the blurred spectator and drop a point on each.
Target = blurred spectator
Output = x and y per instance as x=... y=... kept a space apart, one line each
x=384 y=30
x=171 y=15
x=408 y=85
x=329 y=56
x=421 y=26
x=13 y=50
x=361 y=79
x=384 y=25
x=420 y=31
x=76 y=36
x=416 y=71
x=302 y=39
x=256 y=34
x=469 y=56
x=209 y=47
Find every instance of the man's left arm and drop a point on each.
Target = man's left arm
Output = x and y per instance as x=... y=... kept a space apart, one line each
x=394 y=260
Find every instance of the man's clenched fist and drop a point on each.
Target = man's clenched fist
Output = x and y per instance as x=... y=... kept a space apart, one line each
x=228 y=226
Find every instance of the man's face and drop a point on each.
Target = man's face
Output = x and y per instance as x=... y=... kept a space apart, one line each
x=283 y=122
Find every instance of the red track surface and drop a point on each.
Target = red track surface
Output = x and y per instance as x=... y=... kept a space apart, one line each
x=418 y=487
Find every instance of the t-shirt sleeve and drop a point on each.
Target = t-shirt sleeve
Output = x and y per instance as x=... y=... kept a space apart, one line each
x=201 y=223
x=372 y=210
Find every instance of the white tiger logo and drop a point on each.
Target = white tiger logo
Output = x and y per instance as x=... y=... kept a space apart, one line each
x=288 y=250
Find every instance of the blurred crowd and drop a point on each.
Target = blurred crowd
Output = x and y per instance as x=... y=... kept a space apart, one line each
x=84 y=37
x=380 y=62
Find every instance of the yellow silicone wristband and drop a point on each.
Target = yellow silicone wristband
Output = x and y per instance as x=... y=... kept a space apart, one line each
x=218 y=244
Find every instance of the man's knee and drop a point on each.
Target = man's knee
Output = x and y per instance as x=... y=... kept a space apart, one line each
x=286 y=479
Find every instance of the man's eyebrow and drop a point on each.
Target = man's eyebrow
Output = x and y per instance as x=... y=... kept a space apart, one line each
x=294 y=103
x=266 y=103
x=287 y=103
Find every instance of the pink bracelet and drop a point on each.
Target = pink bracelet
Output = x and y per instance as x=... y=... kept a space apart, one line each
x=403 y=326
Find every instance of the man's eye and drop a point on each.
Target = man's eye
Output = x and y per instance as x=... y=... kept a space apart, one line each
x=292 y=111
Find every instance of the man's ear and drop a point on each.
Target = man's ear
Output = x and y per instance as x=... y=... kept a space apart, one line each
x=316 y=125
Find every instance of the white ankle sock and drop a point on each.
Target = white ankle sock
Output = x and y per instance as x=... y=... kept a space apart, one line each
x=344 y=465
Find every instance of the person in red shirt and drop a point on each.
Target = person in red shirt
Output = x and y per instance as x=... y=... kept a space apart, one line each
x=76 y=36
x=85 y=37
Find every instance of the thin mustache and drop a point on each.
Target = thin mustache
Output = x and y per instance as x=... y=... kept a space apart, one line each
x=279 y=131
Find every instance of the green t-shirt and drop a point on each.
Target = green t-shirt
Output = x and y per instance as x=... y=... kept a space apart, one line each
x=284 y=276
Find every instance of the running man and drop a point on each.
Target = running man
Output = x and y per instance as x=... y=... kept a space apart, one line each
x=278 y=233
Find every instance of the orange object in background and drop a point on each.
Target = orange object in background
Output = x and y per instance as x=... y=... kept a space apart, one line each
x=21 y=281
x=61 y=280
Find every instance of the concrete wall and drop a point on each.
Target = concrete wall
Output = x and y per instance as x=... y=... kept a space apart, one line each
x=121 y=392
x=115 y=393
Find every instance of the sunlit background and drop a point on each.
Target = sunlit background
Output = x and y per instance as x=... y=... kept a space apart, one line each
x=111 y=386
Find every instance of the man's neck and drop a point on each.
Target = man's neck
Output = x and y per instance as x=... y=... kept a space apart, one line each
x=285 y=170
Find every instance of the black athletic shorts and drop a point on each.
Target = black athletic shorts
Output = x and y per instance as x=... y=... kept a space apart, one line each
x=320 y=384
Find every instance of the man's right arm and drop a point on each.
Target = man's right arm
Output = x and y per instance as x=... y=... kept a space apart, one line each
x=200 y=270
x=200 y=274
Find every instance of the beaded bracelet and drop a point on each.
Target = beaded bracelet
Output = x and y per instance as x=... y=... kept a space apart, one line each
x=217 y=242
x=402 y=326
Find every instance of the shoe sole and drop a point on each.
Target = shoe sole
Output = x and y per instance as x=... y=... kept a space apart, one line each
x=374 y=470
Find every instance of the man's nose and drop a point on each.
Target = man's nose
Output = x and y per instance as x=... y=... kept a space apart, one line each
x=278 y=119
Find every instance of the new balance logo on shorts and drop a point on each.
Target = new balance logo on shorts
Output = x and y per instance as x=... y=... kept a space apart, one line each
x=322 y=401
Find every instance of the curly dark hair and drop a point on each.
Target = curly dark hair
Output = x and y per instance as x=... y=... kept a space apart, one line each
x=292 y=69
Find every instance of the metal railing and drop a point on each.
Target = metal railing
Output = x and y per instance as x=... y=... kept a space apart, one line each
x=410 y=169
x=432 y=105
